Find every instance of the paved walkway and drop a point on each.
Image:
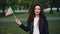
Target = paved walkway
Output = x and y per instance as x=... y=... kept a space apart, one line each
x=5 y=20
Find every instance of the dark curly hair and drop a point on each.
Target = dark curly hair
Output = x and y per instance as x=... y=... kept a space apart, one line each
x=32 y=14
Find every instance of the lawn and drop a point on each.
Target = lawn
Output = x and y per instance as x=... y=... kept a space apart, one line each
x=54 y=27
x=18 y=15
x=54 y=14
x=10 y=28
x=13 y=28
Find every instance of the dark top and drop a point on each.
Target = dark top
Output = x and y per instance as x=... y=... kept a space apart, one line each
x=43 y=26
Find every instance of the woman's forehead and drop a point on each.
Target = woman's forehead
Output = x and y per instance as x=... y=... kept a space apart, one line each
x=37 y=6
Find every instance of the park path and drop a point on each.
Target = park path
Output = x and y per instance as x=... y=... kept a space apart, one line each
x=5 y=20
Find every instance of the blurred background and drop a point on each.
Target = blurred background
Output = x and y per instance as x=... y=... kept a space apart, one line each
x=8 y=25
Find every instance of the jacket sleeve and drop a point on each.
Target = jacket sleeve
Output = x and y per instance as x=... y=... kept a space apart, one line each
x=46 y=26
x=25 y=28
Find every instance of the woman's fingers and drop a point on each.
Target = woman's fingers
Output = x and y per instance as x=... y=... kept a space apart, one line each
x=18 y=21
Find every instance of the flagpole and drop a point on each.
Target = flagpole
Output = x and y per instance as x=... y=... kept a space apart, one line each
x=14 y=15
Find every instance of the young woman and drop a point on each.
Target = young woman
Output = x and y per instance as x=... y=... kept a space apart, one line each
x=37 y=22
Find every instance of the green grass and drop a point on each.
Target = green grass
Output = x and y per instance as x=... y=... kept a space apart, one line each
x=18 y=15
x=25 y=15
x=54 y=27
x=13 y=28
x=54 y=14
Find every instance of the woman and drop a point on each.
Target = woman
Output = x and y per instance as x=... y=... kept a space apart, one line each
x=37 y=22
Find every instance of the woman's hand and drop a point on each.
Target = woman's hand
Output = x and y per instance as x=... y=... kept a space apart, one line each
x=18 y=21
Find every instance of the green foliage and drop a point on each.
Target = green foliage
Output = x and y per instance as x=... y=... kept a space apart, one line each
x=26 y=3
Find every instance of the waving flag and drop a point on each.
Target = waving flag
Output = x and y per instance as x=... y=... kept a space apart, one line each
x=9 y=11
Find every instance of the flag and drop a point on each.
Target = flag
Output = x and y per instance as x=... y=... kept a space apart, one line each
x=9 y=11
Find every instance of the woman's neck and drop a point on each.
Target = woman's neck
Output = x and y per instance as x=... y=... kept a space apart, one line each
x=36 y=16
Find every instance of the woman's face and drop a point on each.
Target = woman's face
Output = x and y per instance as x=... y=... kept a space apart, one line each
x=37 y=10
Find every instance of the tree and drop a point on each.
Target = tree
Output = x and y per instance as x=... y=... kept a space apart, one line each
x=52 y=5
x=57 y=5
x=3 y=6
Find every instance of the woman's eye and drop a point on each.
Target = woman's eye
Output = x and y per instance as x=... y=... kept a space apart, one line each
x=35 y=8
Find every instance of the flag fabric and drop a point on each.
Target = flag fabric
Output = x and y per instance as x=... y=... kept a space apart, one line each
x=8 y=11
